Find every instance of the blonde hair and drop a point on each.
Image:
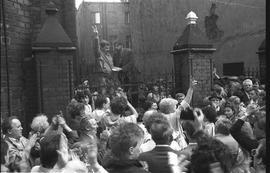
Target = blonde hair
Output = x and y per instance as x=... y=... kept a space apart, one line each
x=167 y=105
x=40 y=123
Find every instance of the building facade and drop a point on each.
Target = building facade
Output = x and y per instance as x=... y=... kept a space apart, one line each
x=235 y=28
x=113 y=22
x=23 y=20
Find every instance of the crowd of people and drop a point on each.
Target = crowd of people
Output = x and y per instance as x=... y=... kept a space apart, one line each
x=104 y=133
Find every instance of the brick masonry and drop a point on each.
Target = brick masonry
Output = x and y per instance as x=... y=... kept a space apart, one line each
x=25 y=19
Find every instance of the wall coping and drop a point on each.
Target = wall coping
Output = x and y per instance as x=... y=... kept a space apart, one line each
x=37 y=48
x=193 y=50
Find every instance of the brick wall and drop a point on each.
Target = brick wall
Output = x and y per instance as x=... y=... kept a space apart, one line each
x=17 y=13
x=198 y=66
x=25 y=19
x=54 y=81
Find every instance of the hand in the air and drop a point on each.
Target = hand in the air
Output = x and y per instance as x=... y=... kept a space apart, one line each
x=95 y=30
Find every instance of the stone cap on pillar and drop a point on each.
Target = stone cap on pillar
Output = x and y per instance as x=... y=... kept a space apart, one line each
x=52 y=34
x=192 y=38
x=261 y=49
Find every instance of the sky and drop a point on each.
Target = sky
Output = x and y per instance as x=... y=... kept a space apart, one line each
x=78 y=2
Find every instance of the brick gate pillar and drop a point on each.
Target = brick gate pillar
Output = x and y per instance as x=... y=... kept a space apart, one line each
x=53 y=51
x=193 y=57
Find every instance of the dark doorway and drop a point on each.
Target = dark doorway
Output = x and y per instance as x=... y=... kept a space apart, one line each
x=233 y=69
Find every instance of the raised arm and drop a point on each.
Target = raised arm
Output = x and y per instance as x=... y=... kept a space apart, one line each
x=190 y=91
x=133 y=110
x=96 y=42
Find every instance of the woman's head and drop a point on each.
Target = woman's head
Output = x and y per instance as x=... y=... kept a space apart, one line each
x=40 y=123
x=168 y=105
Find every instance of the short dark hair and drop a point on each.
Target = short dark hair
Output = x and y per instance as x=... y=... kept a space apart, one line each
x=103 y=43
x=75 y=109
x=148 y=104
x=123 y=137
x=161 y=132
x=208 y=151
x=48 y=149
x=6 y=124
x=229 y=105
x=100 y=101
x=81 y=94
x=118 y=105
x=210 y=113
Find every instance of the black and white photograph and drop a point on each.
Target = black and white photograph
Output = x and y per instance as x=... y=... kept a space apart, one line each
x=133 y=86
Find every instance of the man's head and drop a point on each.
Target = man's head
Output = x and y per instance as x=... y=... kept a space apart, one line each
x=102 y=102
x=222 y=126
x=247 y=85
x=253 y=94
x=119 y=46
x=161 y=132
x=180 y=97
x=76 y=110
x=210 y=114
x=51 y=147
x=215 y=100
x=118 y=105
x=105 y=46
x=126 y=140
x=209 y=151
x=12 y=127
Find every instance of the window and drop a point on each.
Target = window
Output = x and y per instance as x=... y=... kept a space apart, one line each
x=128 y=41
x=96 y=18
x=126 y=17
x=233 y=69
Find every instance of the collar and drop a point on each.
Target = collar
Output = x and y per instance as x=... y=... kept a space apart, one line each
x=163 y=145
x=14 y=139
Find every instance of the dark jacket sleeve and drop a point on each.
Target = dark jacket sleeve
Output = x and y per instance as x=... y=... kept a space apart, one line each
x=244 y=141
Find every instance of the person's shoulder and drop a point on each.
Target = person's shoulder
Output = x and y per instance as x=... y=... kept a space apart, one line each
x=35 y=169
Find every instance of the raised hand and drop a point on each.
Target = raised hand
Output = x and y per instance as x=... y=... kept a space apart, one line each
x=193 y=82
x=198 y=118
x=32 y=140
x=95 y=30
x=104 y=136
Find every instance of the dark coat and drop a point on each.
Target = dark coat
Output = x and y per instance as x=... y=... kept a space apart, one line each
x=124 y=166
x=158 y=159
x=243 y=96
